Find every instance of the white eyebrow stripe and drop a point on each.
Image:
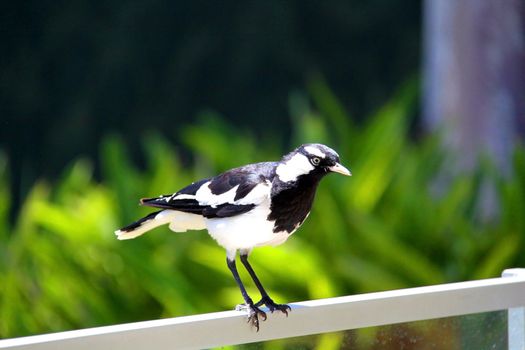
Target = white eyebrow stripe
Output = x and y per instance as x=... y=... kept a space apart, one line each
x=314 y=151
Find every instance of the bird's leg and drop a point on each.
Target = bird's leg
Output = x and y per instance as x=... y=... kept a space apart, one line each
x=253 y=310
x=265 y=298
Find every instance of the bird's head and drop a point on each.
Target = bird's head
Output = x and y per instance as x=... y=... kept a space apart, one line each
x=312 y=158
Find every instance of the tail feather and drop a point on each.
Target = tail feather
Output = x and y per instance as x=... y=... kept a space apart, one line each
x=143 y=225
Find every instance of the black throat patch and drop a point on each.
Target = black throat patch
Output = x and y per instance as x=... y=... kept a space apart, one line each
x=291 y=202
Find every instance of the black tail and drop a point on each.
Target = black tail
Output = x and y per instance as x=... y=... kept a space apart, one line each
x=141 y=226
x=138 y=223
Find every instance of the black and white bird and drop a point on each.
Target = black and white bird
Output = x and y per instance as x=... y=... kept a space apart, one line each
x=251 y=206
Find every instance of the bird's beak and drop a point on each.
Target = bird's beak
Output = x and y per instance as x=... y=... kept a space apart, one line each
x=338 y=168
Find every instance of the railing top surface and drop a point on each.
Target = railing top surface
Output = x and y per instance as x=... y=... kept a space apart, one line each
x=308 y=317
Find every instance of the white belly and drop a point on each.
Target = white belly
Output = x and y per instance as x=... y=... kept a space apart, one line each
x=246 y=231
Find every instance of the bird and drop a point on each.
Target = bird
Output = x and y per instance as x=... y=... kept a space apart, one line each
x=260 y=204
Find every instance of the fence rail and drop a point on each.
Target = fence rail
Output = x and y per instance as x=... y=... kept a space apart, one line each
x=308 y=317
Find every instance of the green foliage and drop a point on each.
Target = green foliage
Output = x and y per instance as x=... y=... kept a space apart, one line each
x=386 y=227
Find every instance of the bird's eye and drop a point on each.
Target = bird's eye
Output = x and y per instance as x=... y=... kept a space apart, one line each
x=315 y=160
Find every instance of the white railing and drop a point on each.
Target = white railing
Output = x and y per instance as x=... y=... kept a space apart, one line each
x=309 y=317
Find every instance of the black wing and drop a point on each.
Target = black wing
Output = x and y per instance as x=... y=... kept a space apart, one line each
x=211 y=198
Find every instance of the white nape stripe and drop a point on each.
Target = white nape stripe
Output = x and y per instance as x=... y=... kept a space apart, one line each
x=314 y=151
x=293 y=168
x=206 y=197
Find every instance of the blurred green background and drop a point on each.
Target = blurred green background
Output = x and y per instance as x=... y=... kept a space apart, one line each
x=103 y=104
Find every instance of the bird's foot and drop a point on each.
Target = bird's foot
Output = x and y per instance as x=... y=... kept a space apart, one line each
x=253 y=314
x=272 y=306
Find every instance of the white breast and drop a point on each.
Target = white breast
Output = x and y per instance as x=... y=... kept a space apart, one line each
x=246 y=231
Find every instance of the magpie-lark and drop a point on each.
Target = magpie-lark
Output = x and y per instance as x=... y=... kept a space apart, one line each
x=243 y=208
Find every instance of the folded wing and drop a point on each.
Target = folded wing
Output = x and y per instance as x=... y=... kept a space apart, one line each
x=229 y=194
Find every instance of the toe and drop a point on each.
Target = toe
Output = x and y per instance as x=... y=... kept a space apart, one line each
x=254 y=314
x=253 y=320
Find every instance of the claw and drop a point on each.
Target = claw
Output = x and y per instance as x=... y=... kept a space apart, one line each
x=272 y=306
x=254 y=312
x=253 y=316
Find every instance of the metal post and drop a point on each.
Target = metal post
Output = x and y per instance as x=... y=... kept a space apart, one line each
x=516 y=318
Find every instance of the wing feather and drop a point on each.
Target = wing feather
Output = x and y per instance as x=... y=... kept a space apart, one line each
x=232 y=193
